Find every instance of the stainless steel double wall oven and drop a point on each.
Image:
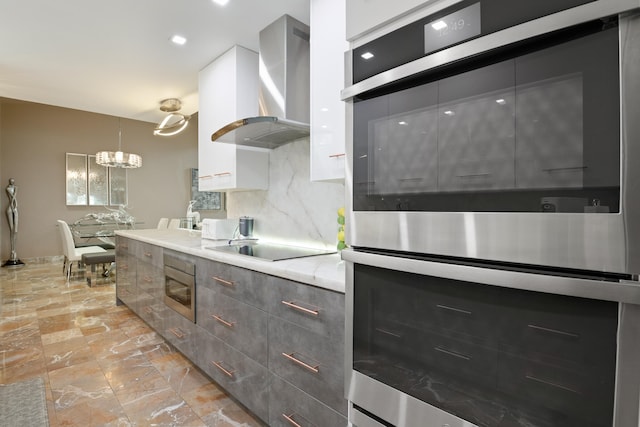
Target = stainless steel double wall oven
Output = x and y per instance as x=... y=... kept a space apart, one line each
x=494 y=216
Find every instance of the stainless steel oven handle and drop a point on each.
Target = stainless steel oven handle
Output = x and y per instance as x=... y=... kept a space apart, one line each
x=623 y=291
x=544 y=25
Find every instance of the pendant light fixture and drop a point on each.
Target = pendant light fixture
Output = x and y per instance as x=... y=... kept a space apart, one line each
x=174 y=122
x=118 y=159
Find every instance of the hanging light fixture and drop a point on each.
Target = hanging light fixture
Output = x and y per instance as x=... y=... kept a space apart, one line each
x=118 y=159
x=174 y=122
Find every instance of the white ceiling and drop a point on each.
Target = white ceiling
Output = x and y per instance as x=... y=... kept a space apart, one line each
x=114 y=57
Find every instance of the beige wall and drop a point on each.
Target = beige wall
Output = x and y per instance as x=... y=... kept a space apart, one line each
x=33 y=141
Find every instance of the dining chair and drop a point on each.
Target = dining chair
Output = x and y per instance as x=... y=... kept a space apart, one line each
x=163 y=223
x=174 y=223
x=71 y=253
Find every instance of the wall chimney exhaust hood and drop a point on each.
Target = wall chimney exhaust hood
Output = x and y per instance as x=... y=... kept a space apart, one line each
x=283 y=103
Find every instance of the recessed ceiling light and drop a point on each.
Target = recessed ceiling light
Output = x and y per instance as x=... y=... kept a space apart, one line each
x=221 y=2
x=179 y=40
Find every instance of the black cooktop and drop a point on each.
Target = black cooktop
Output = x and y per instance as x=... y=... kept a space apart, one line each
x=270 y=251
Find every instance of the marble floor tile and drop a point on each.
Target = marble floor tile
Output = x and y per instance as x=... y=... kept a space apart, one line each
x=102 y=365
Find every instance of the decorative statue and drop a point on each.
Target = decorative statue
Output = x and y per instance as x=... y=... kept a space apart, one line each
x=12 y=218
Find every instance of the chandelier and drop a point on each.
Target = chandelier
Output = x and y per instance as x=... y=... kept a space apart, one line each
x=118 y=159
x=174 y=122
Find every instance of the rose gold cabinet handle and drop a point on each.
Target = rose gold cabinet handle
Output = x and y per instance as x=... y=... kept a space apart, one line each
x=222 y=281
x=147 y=279
x=177 y=332
x=337 y=155
x=313 y=369
x=147 y=254
x=222 y=174
x=205 y=176
x=300 y=308
x=224 y=371
x=224 y=322
x=291 y=420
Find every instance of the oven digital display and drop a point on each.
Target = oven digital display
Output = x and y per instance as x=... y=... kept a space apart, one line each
x=453 y=28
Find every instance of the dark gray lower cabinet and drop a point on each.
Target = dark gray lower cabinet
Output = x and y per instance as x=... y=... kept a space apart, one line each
x=275 y=345
x=289 y=406
x=307 y=360
x=241 y=376
x=181 y=333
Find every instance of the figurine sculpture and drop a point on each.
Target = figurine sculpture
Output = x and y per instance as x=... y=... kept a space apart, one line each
x=12 y=218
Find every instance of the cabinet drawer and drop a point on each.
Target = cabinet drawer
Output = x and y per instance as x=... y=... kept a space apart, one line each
x=291 y=407
x=150 y=253
x=150 y=279
x=239 y=283
x=181 y=333
x=308 y=360
x=240 y=325
x=316 y=309
x=152 y=311
x=125 y=247
x=242 y=377
x=126 y=280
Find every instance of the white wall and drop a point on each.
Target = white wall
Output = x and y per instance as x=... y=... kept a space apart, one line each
x=294 y=209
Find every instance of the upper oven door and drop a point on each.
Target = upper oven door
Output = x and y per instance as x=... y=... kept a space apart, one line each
x=512 y=146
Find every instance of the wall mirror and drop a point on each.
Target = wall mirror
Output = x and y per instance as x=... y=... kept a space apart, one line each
x=89 y=184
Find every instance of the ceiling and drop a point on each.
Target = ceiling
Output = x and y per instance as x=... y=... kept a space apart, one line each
x=114 y=57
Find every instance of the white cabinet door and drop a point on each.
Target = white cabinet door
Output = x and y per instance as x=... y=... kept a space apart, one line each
x=328 y=46
x=228 y=91
x=365 y=15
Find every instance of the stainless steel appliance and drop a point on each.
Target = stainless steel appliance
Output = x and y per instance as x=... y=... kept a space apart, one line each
x=493 y=275
x=458 y=134
x=432 y=343
x=180 y=286
x=284 y=89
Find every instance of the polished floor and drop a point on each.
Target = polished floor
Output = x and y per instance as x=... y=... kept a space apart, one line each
x=101 y=364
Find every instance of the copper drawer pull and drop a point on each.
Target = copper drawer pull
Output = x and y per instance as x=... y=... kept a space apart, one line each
x=313 y=369
x=148 y=279
x=177 y=332
x=205 y=176
x=147 y=254
x=337 y=155
x=222 y=281
x=224 y=371
x=300 y=308
x=291 y=420
x=222 y=174
x=224 y=322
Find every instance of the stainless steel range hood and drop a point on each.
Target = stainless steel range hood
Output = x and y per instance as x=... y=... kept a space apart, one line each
x=283 y=103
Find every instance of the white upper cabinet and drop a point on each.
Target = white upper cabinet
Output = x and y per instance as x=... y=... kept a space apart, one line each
x=365 y=15
x=328 y=46
x=228 y=91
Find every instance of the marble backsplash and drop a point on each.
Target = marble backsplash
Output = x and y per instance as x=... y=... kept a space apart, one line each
x=293 y=210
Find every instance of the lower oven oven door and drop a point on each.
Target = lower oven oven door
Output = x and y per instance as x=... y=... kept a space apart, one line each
x=180 y=292
x=434 y=343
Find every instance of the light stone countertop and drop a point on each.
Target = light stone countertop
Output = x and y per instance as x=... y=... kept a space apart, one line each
x=325 y=271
